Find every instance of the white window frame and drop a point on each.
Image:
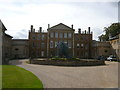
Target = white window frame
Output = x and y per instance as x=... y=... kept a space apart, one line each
x=38 y=36
x=43 y=36
x=65 y=35
x=42 y=53
x=69 y=44
x=42 y=45
x=51 y=44
x=51 y=35
x=78 y=45
x=69 y=35
x=61 y=35
x=66 y=42
x=82 y=45
x=56 y=42
x=56 y=34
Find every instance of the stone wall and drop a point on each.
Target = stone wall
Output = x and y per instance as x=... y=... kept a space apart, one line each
x=20 y=48
x=1 y=34
x=69 y=63
x=101 y=49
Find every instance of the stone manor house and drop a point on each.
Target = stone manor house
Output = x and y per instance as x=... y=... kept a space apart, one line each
x=42 y=44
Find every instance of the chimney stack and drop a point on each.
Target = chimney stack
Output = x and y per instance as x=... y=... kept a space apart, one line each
x=89 y=30
x=79 y=30
x=85 y=31
x=72 y=26
x=31 y=28
x=48 y=26
x=34 y=30
x=40 y=29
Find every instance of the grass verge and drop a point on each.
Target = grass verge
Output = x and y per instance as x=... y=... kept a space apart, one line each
x=0 y=77
x=16 y=77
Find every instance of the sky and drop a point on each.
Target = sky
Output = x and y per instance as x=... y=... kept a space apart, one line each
x=18 y=15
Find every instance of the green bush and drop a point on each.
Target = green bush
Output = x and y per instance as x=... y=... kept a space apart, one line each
x=55 y=58
x=63 y=59
x=58 y=58
x=28 y=62
x=74 y=58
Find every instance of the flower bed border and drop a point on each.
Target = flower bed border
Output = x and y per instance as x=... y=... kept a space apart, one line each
x=69 y=62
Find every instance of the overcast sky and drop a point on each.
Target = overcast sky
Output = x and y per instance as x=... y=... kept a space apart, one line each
x=18 y=15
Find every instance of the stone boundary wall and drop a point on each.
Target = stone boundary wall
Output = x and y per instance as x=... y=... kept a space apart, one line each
x=68 y=63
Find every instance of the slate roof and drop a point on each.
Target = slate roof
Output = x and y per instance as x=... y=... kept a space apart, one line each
x=3 y=26
x=8 y=35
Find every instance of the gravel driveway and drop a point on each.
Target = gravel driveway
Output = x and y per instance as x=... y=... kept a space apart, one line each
x=105 y=76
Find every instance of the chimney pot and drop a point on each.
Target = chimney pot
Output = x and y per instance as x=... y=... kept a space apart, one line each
x=34 y=30
x=48 y=26
x=40 y=29
x=85 y=31
x=31 y=28
x=89 y=30
x=72 y=26
x=79 y=30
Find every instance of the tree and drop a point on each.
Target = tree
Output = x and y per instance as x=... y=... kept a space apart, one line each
x=112 y=30
x=103 y=38
x=62 y=50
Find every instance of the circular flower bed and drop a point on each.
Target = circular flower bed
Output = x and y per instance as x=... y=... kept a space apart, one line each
x=68 y=62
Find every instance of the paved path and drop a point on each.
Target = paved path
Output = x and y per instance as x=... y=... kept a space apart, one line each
x=75 y=77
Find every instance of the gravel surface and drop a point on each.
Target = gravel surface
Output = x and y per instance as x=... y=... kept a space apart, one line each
x=105 y=76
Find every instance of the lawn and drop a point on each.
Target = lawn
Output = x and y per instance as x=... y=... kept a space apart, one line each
x=16 y=77
x=0 y=77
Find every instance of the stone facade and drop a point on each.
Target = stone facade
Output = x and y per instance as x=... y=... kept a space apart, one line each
x=6 y=44
x=115 y=45
x=1 y=35
x=20 y=48
x=83 y=45
x=60 y=33
x=43 y=44
x=69 y=62
x=119 y=47
x=37 y=44
x=101 y=49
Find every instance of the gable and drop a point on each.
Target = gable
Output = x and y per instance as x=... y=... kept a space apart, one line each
x=2 y=26
x=60 y=27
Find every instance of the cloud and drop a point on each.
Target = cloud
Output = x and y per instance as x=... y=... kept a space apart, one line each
x=21 y=34
x=96 y=32
x=18 y=15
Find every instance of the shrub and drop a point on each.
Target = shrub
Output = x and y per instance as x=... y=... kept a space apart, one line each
x=28 y=62
x=74 y=58
x=58 y=58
